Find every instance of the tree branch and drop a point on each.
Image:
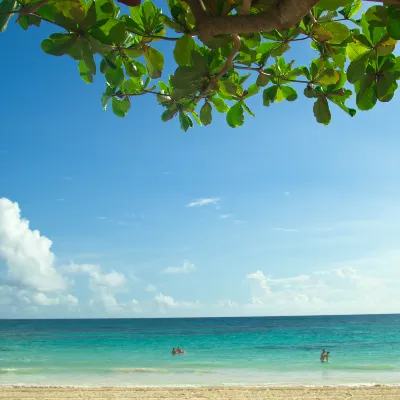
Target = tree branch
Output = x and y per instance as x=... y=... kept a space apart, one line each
x=283 y=15
x=246 y=6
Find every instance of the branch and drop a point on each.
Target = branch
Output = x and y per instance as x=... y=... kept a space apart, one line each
x=310 y=13
x=284 y=14
x=260 y=71
x=246 y=6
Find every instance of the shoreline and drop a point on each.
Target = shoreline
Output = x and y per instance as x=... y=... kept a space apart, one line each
x=382 y=392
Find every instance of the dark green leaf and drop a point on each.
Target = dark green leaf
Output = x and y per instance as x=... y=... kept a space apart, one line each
x=111 y=33
x=120 y=107
x=58 y=44
x=87 y=54
x=333 y=5
x=393 y=23
x=321 y=111
x=269 y=95
x=289 y=93
x=206 y=113
x=168 y=115
x=352 y=9
x=235 y=115
x=6 y=8
x=115 y=76
x=357 y=68
x=262 y=80
x=385 y=88
x=366 y=92
x=186 y=121
x=245 y=106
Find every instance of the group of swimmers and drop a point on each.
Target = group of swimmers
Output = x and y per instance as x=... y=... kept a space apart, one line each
x=324 y=356
x=178 y=351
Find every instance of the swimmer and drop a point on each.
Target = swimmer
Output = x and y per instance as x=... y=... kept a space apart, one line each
x=173 y=351
x=327 y=357
x=323 y=355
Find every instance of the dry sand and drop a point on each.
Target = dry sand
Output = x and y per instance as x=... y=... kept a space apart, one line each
x=340 y=393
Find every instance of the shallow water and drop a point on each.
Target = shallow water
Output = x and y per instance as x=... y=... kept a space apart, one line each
x=220 y=351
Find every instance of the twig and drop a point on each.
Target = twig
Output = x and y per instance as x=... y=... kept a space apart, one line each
x=314 y=21
x=172 y=39
x=260 y=71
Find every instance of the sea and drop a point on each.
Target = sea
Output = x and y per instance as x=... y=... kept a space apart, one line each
x=262 y=351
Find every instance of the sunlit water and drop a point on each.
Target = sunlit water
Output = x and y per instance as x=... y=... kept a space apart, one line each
x=220 y=351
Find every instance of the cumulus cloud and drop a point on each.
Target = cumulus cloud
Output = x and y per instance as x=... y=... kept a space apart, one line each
x=103 y=285
x=150 y=288
x=186 y=268
x=26 y=253
x=204 y=202
x=167 y=302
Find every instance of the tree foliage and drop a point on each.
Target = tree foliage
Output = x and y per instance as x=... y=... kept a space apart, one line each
x=225 y=51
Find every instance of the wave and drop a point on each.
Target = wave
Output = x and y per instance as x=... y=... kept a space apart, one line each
x=161 y=371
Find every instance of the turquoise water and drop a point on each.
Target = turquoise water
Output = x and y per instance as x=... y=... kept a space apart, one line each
x=220 y=351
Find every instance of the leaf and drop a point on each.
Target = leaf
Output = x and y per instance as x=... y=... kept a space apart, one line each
x=333 y=5
x=289 y=93
x=328 y=77
x=385 y=88
x=339 y=32
x=183 y=49
x=168 y=115
x=321 y=111
x=27 y=20
x=366 y=92
x=251 y=91
x=357 y=68
x=186 y=121
x=6 y=8
x=120 y=107
x=352 y=9
x=219 y=105
x=154 y=62
x=245 y=106
x=115 y=76
x=393 y=23
x=206 y=113
x=58 y=44
x=356 y=50
x=88 y=58
x=235 y=115
x=269 y=95
x=320 y=33
x=262 y=80
x=131 y=86
x=111 y=33
x=85 y=71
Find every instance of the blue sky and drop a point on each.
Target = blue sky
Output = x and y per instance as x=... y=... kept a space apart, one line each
x=301 y=218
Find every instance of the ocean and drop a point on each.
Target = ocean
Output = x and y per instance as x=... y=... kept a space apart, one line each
x=276 y=351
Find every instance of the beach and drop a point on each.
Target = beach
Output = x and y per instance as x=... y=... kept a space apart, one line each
x=329 y=393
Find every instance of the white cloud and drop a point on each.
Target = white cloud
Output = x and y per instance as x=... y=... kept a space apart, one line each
x=361 y=286
x=227 y=304
x=225 y=216
x=150 y=288
x=61 y=199
x=26 y=253
x=186 y=268
x=167 y=302
x=103 y=286
x=204 y=202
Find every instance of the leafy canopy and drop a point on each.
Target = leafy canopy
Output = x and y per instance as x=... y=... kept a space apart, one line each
x=353 y=54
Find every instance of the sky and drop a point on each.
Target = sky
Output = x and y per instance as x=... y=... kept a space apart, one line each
x=109 y=217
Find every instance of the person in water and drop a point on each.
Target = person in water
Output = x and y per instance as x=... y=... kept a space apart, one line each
x=173 y=351
x=323 y=355
x=327 y=357
x=179 y=350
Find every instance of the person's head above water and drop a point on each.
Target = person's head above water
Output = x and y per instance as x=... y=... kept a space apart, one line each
x=323 y=350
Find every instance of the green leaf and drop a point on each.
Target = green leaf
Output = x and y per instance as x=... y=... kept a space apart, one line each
x=115 y=76
x=6 y=8
x=333 y=5
x=154 y=62
x=235 y=115
x=120 y=107
x=219 y=105
x=262 y=80
x=183 y=49
x=168 y=115
x=366 y=92
x=245 y=106
x=289 y=93
x=131 y=86
x=58 y=44
x=87 y=54
x=27 y=20
x=206 y=113
x=321 y=111
x=356 y=69
x=269 y=95
x=186 y=121
x=251 y=91
x=352 y=9
x=85 y=71
x=393 y=23
x=385 y=88
x=111 y=33
x=328 y=77
x=321 y=34
x=338 y=31
x=91 y=15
